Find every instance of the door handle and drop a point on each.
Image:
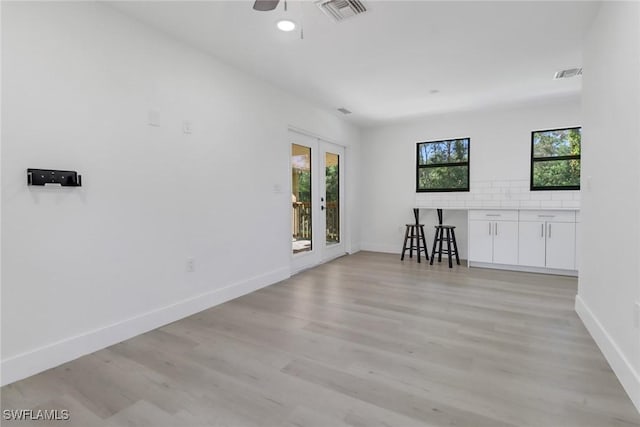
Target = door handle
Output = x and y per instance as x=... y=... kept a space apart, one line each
x=549 y=228
x=542 y=230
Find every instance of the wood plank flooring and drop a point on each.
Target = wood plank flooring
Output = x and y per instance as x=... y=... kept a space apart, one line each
x=366 y=340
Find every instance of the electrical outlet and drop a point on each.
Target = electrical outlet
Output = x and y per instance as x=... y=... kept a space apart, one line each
x=187 y=127
x=191 y=265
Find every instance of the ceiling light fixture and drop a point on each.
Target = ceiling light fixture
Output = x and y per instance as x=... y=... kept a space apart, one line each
x=286 y=25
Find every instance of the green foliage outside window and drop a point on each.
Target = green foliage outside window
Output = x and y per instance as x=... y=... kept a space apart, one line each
x=555 y=159
x=332 y=178
x=443 y=165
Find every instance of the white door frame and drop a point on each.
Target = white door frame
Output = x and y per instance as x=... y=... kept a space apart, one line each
x=319 y=252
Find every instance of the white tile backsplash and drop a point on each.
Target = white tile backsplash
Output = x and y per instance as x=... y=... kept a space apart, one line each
x=571 y=204
x=541 y=196
x=562 y=195
x=501 y=194
x=551 y=204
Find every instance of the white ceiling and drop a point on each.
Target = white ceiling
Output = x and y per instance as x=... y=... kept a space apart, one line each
x=383 y=64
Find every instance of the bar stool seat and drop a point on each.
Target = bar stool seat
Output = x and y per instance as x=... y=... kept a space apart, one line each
x=445 y=233
x=414 y=239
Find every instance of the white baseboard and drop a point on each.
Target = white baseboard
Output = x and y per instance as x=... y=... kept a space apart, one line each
x=376 y=247
x=624 y=370
x=32 y=362
x=524 y=268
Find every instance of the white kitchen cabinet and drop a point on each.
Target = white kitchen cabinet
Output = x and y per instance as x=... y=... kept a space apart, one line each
x=561 y=245
x=480 y=241
x=531 y=245
x=547 y=239
x=493 y=236
x=505 y=242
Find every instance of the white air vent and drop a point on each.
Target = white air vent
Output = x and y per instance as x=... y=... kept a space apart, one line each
x=344 y=110
x=565 y=74
x=341 y=9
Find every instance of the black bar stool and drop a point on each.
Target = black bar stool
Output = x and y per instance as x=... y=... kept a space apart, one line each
x=414 y=232
x=445 y=233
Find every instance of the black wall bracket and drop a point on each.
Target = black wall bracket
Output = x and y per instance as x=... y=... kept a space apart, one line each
x=52 y=176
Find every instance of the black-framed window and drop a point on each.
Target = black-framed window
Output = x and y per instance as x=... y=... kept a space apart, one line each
x=555 y=159
x=443 y=165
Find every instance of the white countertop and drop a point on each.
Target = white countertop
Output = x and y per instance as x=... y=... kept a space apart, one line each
x=497 y=208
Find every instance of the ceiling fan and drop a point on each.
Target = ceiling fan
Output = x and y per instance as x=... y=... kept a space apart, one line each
x=265 y=5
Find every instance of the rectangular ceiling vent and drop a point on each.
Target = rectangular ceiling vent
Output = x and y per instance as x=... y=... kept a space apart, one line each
x=339 y=10
x=566 y=74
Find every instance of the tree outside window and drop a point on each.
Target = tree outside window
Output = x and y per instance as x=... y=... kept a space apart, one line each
x=443 y=165
x=555 y=159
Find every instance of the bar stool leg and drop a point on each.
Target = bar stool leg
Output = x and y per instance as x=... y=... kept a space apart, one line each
x=418 y=241
x=455 y=245
x=433 y=249
x=440 y=245
x=404 y=245
x=449 y=248
x=424 y=243
x=411 y=237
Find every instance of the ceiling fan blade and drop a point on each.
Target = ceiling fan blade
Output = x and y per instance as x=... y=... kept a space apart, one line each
x=265 y=5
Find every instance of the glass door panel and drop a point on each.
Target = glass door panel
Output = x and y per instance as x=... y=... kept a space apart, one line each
x=301 y=199
x=331 y=187
x=332 y=197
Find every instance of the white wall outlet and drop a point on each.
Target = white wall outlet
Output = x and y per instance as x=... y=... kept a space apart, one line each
x=191 y=265
x=187 y=127
x=154 y=117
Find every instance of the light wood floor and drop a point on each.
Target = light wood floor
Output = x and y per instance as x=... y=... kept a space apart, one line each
x=366 y=340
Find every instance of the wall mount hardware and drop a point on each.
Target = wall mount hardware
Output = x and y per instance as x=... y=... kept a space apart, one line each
x=53 y=176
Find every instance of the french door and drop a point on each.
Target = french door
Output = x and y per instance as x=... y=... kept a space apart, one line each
x=317 y=201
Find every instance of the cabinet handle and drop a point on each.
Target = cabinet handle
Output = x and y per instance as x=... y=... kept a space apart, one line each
x=542 y=230
x=489 y=229
x=496 y=228
x=549 y=230
x=493 y=214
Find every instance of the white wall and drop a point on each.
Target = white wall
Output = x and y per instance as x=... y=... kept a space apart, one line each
x=609 y=281
x=87 y=267
x=500 y=159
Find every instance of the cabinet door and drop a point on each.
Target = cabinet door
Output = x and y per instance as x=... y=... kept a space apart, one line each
x=481 y=241
x=531 y=245
x=505 y=242
x=561 y=245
